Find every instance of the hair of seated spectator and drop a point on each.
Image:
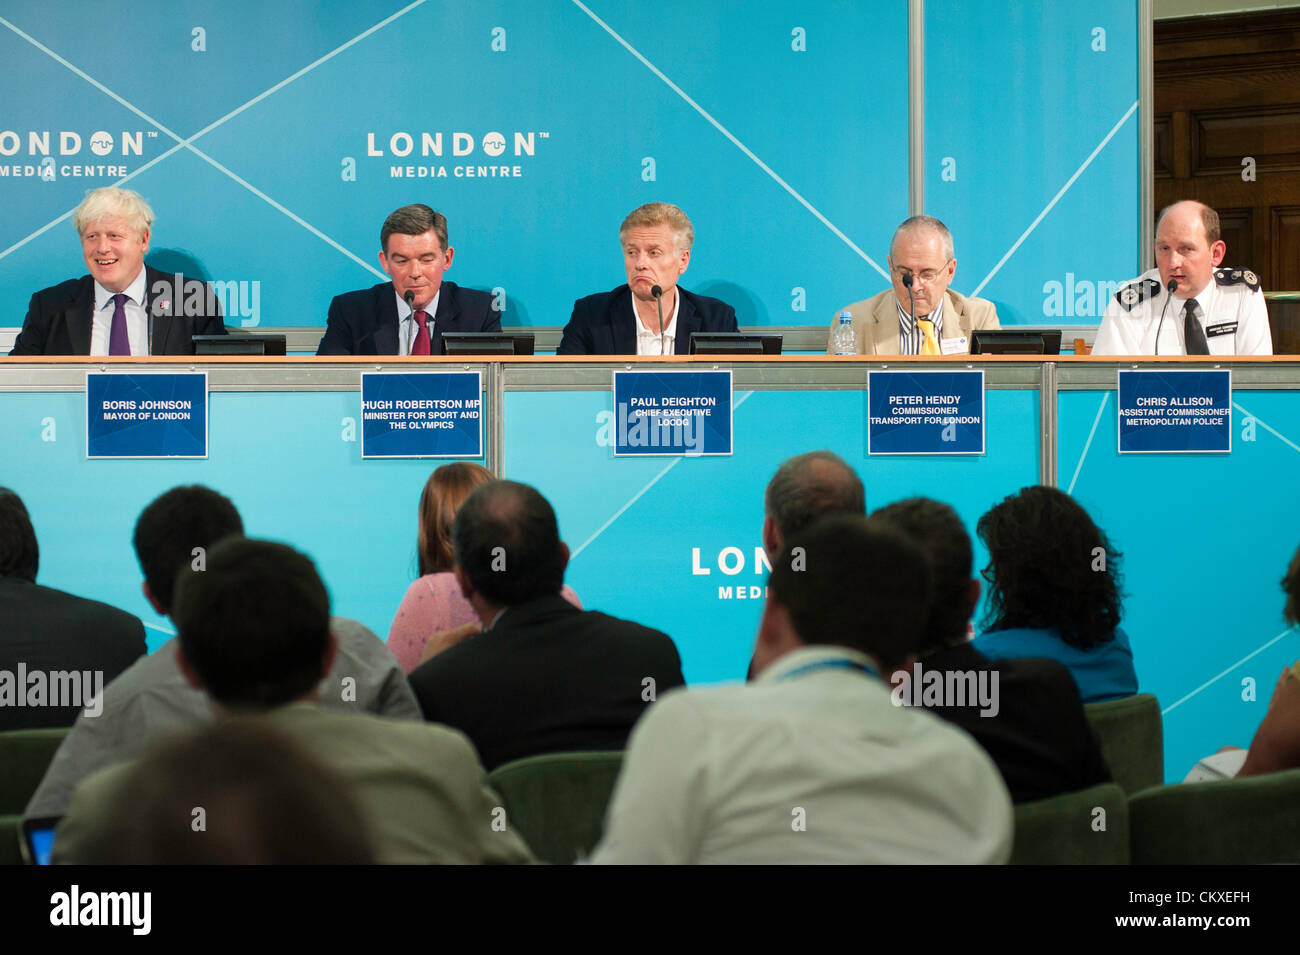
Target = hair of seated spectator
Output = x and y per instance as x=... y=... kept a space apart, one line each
x=1291 y=587
x=172 y=526
x=507 y=543
x=264 y=801
x=936 y=529
x=1052 y=567
x=254 y=624
x=19 y=554
x=811 y=486
x=846 y=582
x=443 y=494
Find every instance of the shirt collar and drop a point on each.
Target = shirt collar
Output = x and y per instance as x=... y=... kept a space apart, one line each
x=407 y=314
x=644 y=336
x=134 y=292
x=905 y=317
x=811 y=656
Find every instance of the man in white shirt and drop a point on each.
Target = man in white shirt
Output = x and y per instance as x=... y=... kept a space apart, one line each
x=813 y=762
x=1187 y=305
x=651 y=314
x=122 y=307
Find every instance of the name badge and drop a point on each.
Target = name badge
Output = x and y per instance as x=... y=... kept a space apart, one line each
x=955 y=346
x=1223 y=328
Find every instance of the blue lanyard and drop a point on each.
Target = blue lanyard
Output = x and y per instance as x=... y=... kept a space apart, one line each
x=830 y=665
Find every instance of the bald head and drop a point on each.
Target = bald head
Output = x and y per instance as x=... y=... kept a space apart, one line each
x=806 y=488
x=1189 y=246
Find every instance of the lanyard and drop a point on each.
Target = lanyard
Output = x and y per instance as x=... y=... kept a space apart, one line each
x=830 y=665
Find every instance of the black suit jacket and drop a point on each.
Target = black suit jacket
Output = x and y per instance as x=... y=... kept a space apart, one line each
x=604 y=325
x=1040 y=738
x=48 y=630
x=547 y=678
x=59 y=317
x=364 y=322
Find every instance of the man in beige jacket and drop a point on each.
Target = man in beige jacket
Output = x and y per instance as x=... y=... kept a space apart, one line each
x=920 y=256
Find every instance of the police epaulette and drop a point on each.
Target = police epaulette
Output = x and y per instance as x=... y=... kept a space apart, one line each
x=1135 y=292
x=1237 y=277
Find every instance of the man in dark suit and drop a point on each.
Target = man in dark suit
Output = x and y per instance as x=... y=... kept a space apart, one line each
x=66 y=646
x=657 y=240
x=543 y=676
x=408 y=315
x=1033 y=726
x=122 y=307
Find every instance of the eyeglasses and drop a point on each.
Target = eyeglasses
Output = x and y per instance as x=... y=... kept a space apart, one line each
x=925 y=275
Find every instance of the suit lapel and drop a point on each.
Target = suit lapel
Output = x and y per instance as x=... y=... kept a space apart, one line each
x=884 y=320
x=386 y=337
x=170 y=302
x=77 y=319
x=444 y=319
x=622 y=318
x=687 y=323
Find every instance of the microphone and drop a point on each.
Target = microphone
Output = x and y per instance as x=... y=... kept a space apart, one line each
x=658 y=293
x=1172 y=287
x=911 y=299
x=409 y=298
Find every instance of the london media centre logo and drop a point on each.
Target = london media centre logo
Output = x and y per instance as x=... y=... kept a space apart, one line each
x=455 y=154
x=49 y=154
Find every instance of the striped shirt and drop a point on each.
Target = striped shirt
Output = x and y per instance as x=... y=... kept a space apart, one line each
x=909 y=335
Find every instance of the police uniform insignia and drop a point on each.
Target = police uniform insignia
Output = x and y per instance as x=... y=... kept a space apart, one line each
x=1237 y=277
x=1133 y=293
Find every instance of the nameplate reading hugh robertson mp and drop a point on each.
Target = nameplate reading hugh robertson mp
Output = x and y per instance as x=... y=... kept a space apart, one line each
x=146 y=415
x=1175 y=412
x=925 y=412
x=422 y=414
x=672 y=412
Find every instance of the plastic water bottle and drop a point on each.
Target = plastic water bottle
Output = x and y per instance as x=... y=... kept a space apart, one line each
x=845 y=343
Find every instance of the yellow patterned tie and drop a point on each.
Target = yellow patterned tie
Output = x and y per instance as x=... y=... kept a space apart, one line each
x=930 y=345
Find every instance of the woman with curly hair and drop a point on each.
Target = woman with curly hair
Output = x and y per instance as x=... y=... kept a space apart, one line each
x=1054 y=591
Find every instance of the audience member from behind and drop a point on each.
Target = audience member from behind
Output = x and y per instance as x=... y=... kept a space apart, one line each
x=254 y=634
x=1054 y=591
x=152 y=699
x=1032 y=723
x=56 y=651
x=264 y=802
x=543 y=676
x=1276 y=745
x=434 y=614
x=803 y=490
x=813 y=762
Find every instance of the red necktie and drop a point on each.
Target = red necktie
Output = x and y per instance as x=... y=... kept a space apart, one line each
x=421 y=343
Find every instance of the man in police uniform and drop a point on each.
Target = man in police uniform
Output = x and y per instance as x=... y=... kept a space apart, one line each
x=882 y=325
x=1210 y=311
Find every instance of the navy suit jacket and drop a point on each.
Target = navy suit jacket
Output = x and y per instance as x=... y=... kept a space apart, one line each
x=364 y=322
x=604 y=325
x=59 y=317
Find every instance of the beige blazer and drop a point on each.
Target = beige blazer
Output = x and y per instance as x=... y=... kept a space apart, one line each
x=875 y=321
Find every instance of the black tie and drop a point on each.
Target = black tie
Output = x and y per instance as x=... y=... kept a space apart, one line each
x=1192 y=333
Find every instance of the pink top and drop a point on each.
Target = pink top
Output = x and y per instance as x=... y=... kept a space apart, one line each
x=433 y=603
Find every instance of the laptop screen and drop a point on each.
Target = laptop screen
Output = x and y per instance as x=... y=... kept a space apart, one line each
x=38 y=840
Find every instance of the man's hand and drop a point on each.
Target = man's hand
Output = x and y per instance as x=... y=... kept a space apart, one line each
x=446 y=639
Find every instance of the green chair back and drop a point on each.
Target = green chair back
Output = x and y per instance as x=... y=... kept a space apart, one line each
x=24 y=757
x=1225 y=822
x=557 y=801
x=10 y=853
x=1132 y=740
x=1088 y=827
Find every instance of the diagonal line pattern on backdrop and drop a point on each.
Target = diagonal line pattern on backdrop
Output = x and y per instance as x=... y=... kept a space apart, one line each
x=1273 y=431
x=727 y=133
x=1215 y=679
x=1057 y=198
x=187 y=143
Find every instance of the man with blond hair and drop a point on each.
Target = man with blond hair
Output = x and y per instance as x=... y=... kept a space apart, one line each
x=651 y=314
x=1187 y=304
x=919 y=314
x=123 y=307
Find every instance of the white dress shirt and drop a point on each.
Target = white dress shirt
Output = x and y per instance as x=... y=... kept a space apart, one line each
x=650 y=343
x=811 y=763
x=408 y=327
x=137 y=319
